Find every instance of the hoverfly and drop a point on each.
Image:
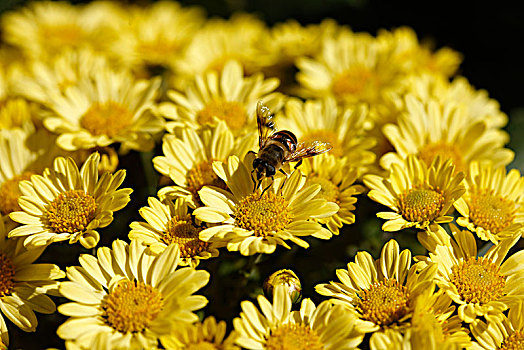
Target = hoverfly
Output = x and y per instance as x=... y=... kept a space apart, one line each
x=279 y=147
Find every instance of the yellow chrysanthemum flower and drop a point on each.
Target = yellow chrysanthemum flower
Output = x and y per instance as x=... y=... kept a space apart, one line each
x=22 y=154
x=429 y=128
x=382 y=292
x=493 y=206
x=44 y=28
x=130 y=303
x=353 y=67
x=336 y=178
x=225 y=95
x=324 y=121
x=506 y=333
x=46 y=79
x=68 y=204
x=156 y=35
x=414 y=58
x=253 y=222
x=484 y=285
x=420 y=196
x=206 y=335
x=169 y=223
x=475 y=103
x=220 y=41
x=24 y=285
x=322 y=327
x=108 y=107
x=188 y=159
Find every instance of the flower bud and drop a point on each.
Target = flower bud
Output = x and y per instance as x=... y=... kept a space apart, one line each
x=287 y=278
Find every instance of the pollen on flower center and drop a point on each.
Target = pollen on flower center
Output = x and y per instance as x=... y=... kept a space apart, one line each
x=514 y=341
x=421 y=204
x=328 y=190
x=264 y=215
x=383 y=302
x=71 y=211
x=182 y=231
x=358 y=81
x=202 y=175
x=232 y=112
x=325 y=136
x=7 y=274
x=294 y=336
x=106 y=118
x=445 y=150
x=132 y=306
x=489 y=211
x=478 y=280
x=9 y=193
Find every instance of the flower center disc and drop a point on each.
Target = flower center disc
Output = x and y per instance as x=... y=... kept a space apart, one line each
x=202 y=175
x=294 y=337
x=421 y=205
x=446 y=151
x=491 y=212
x=264 y=215
x=232 y=112
x=514 y=341
x=108 y=118
x=325 y=136
x=384 y=302
x=9 y=193
x=328 y=190
x=71 y=211
x=132 y=306
x=183 y=232
x=359 y=82
x=7 y=274
x=478 y=281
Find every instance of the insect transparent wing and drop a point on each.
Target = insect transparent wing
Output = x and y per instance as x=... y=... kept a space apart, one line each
x=265 y=123
x=308 y=149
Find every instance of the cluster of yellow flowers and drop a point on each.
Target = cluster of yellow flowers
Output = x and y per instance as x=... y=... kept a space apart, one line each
x=84 y=85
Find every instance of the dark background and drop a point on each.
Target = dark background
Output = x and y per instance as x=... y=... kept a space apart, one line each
x=490 y=37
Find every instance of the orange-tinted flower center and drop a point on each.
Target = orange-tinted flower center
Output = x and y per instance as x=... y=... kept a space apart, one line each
x=71 y=211
x=478 y=280
x=294 y=336
x=9 y=193
x=182 y=231
x=132 y=306
x=383 y=303
x=7 y=274
x=232 y=112
x=106 y=118
x=489 y=211
x=421 y=204
x=264 y=215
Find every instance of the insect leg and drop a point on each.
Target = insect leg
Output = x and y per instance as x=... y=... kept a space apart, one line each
x=255 y=184
x=298 y=164
x=267 y=187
